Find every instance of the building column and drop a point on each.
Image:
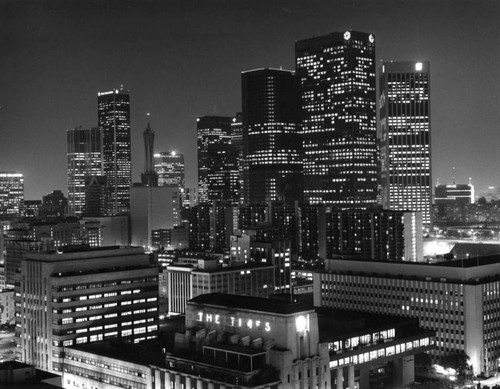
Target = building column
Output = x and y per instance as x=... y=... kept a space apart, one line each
x=340 y=378
x=157 y=384
x=405 y=371
x=211 y=385
x=350 y=376
x=189 y=383
x=168 y=383
x=364 y=377
x=178 y=381
x=199 y=383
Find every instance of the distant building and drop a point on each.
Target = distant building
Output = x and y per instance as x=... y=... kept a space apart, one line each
x=205 y=275
x=11 y=194
x=379 y=235
x=149 y=177
x=405 y=137
x=337 y=77
x=272 y=140
x=78 y=297
x=113 y=110
x=169 y=166
x=54 y=205
x=218 y=173
x=153 y=208
x=7 y=307
x=113 y=230
x=237 y=142
x=454 y=194
x=84 y=153
x=31 y=208
x=95 y=196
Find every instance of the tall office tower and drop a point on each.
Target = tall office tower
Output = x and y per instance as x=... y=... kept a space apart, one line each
x=86 y=296
x=170 y=169
x=114 y=120
x=337 y=75
x=405 y=142
x=11 y=194
x=217 y=161
x=272 y=137
x=149 y=177
x=237 y=142
x=84 y=148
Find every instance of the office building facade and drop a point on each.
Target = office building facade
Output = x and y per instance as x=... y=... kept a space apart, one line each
x=169 y=166
x=84 y=150
x=458 y=300
x=217 y=161
x=79 y=297
x=337 y=77
x=11 y=194
x=113 y=109
x=272 y=139
x=454 y=194
x=380 y=235
x=405 y=137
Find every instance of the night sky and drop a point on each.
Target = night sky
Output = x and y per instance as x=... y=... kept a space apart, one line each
x=182 y=59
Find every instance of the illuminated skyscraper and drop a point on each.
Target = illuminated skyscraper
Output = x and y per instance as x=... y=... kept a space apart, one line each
x=337 y=76
x=272 y=138
x=11 y=194
x=217 y=161
x=237 y=142
x=84 y=148
x=405 y=148
x=170 y=169
x=114 y=120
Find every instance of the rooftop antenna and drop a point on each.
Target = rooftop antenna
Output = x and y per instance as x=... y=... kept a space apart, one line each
x=453 y=175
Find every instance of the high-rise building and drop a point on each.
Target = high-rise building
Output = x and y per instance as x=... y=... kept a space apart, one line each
x=95 y=196
x=237 y=142
x=114 y=120
x=405 y=138
x=11 y=194
x=84 y=149
x=272 y=136
x=217 y=161
x=337 y=76
x=169 y=166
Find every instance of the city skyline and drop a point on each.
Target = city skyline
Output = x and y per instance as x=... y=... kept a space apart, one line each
x=182 y=61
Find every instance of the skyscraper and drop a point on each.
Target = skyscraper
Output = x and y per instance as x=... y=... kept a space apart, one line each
x=84 y=150
x=114 y=120
x=405 y=148
x=272 y=137
x=11 y=194
x=217 y=160
x=169 y=166
x=337 y=76
x=237 y=142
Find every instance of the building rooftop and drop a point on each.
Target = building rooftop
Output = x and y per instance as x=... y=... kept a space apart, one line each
x=250 y=303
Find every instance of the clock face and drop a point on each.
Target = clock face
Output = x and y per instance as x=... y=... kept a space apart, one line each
x=371 y=38
x=347 y=35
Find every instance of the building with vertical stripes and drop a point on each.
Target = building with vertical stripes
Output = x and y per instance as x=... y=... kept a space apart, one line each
x=72 y=298
x=459 y=300
x=405 y=137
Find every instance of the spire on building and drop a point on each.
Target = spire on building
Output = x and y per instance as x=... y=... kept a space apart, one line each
x=149 y=177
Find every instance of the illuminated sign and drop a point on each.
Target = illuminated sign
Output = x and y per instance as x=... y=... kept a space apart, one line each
x=232 y=321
